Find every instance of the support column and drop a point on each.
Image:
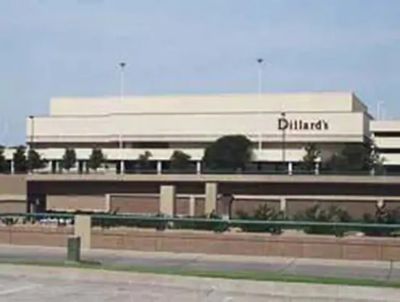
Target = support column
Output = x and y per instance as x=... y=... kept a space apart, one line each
x=58 y=169
x=83 y=229
x=167 y=200
x=192 y=206
x=121 y=167
x=159 y=167
x=283 y=204
x=316 y=168
x=290 y=168
x=211 y=198
x=12 y=167
x=198 y=167
x=108 y=203
x=380 y=202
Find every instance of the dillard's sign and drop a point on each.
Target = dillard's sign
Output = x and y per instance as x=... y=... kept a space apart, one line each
x=298 y=124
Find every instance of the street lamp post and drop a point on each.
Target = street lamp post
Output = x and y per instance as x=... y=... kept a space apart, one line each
x=122 y=79
x=120 y=141
x=283 y=116
x=31 y=142
x=31 y=135
x=260 y=62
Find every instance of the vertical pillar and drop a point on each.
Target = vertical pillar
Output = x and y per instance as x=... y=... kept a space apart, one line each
x=159 y=167
x=167 y=200
x=380 y=203
x=290 y=168
x=108 y=203
x=83 y=229
x=121 y=167
x=198 y=167
x=211 y=198
x=192 y=206
x=58 y=168
x=12 y=167
x=316 y=168
x=283 y=204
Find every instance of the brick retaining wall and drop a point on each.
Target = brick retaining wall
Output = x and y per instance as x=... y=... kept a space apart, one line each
x=303 y=246
x=35 y=235
x=298 y=246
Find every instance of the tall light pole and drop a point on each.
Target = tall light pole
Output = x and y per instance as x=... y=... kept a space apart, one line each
x=283 y=116
x=260 y=62
x=379 y=106
x=120 y=141
x=122 y=79
x=32 y=132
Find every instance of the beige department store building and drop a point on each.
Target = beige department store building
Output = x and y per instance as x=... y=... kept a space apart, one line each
x=279 y=125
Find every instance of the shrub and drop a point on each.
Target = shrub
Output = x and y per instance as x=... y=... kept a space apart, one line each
x=316 y=213
x=263 y=212
x=217 y=226
x=382 y=216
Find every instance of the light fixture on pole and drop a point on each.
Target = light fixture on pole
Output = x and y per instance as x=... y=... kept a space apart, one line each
x=122 y=79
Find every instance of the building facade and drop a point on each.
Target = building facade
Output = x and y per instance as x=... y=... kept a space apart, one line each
x=279 y=125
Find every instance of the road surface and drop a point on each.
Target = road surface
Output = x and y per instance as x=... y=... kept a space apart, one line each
x=374 y=270
x=33 y=283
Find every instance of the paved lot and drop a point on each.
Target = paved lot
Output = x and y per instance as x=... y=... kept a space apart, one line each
x=22 y=283
x=305 y=267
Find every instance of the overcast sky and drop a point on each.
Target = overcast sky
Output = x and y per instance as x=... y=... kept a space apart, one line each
x=72 y=48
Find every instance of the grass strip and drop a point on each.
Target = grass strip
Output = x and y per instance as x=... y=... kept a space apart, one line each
x=236 y=275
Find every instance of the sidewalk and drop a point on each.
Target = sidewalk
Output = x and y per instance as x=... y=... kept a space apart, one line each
x=372 y=270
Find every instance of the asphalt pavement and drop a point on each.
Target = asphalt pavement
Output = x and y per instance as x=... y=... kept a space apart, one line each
x=374 y=270
x=48 y=284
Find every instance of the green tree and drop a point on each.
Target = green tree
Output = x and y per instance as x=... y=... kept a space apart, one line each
x=231 y=152
x=311 y=156
x=356 y=157
x=180 y=160
x=3 y=161
x=35 y=161
x=144 y=160
x=19 y=158
x=69 y=159
x=96 y=159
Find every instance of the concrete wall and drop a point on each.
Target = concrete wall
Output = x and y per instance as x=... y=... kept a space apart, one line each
x=340 y=127
x=135 y=203
x=13 y=190
x=12 y=184
x=72 y=203
x=12 y=206
x=356 y=208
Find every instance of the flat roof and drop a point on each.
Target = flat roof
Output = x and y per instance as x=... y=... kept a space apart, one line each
x=222 y=103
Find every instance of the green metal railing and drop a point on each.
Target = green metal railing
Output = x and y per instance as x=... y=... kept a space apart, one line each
x=211 y=224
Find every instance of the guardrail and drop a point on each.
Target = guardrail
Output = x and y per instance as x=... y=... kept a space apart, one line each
x=221 y=225
x=210 y=224
x=218 y=172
